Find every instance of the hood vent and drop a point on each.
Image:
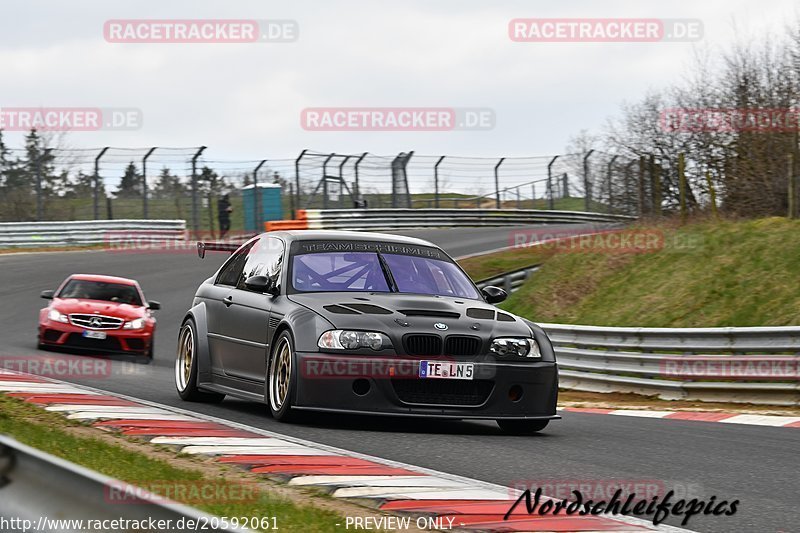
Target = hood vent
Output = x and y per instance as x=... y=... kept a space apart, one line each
x=369 y=309
x=339 y=310
x=482 y=314
x=503 y=317
x=429 y=312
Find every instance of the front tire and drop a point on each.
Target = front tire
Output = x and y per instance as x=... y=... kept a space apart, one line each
x=186 y=364
x=281 y=379
x=522 y=427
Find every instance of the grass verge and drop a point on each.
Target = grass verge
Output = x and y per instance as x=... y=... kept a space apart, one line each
x=116 y=457
x=706 y=274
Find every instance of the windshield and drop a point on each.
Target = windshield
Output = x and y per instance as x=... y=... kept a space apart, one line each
x=362 y=272
x=100 y=290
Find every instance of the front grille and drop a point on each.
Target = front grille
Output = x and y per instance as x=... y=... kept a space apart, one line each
x=51 y=335
x=79 y=341
x=96 y=321
x=443 y=391
x=423 y=344
x=462 y=345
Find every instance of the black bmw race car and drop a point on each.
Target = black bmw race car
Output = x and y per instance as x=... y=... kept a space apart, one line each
x=361 y=323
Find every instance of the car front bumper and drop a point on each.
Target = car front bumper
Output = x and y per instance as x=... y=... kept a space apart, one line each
x=499 y=390
x=126 y=341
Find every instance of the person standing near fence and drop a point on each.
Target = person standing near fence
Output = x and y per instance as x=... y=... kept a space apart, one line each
x=224 y=215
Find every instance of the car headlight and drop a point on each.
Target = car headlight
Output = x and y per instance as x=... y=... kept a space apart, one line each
x=522 y=347
x=338 y=339
x=56 y=316
x=134 y=324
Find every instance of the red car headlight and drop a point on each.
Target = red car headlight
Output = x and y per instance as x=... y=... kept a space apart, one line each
x=134 y=324
x=57 y=316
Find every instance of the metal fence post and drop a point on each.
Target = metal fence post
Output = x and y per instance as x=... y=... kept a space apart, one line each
x=550 y=201
x=608 y=179
x=257 y=197
x=655 y=187
x=587 y=192
x=39 y=192
x=641 y=185
x=144 y=181
x=791 y=190
x=436 y=181
x=325 y=181
x=96 y=194
x=297 y=177
x=682 y=185
x=195 y=207
x=342 y=185
x=497 y=182
x=355 y=172
x=565 y=186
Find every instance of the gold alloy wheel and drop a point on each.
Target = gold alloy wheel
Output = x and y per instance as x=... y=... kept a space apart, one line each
x=183 y=363
x=280 y=375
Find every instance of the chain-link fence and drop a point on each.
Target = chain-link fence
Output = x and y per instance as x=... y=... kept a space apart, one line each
x=219 y=195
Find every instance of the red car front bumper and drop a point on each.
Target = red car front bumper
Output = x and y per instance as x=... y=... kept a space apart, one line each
x=128 y=341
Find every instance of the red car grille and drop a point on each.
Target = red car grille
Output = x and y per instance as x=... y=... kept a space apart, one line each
x=96 y=321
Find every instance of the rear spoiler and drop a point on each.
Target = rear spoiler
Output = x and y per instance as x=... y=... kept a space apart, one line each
x=203 y=247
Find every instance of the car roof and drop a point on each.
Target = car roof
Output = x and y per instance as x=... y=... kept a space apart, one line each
x=106 y=279
x=339 y=235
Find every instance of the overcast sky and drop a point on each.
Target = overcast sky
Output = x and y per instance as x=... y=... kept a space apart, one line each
x=245 y=100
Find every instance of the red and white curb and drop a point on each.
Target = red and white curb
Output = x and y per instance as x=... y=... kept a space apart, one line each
x=389 y=486
x=699 y=416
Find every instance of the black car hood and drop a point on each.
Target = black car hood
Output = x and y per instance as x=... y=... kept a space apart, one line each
x=398 y=314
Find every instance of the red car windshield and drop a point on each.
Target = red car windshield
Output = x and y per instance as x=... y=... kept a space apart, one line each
x=101 y=290
x=363 y=271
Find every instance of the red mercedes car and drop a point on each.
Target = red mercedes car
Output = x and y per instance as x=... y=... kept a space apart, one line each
x=98 y=313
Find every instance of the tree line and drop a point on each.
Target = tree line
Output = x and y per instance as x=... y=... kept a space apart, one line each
x=734 y=116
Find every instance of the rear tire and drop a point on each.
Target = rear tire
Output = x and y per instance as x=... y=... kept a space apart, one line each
x=522 y=427
x=282 y=379
x=186 y=363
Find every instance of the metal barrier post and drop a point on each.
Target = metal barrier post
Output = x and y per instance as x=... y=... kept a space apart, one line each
x=257 y=197
x=436 y=181
x=144 y=181
x=550 y=201
x=497 y=182
x=195 y=207
x=297 y=176
x=587 y=190
x=96 y=194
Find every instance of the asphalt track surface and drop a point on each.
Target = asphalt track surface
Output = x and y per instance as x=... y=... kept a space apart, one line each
x=757 y=465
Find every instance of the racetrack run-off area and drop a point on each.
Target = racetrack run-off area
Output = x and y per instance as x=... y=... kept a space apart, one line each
x=750 y=463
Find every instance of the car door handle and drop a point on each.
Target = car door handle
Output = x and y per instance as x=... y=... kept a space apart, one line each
x=228 y=300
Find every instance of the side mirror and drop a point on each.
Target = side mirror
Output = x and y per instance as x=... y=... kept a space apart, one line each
x=258 y=284
x=494 y=295
x=47 y=295
x=153 y=305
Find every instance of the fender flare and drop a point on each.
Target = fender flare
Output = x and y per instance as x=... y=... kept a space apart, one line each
x=198 y=314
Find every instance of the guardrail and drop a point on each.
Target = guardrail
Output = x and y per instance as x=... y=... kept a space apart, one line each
x=35 y=487
x=86 y=232
x=752 y=365
x=387 y=219
x=509 y=281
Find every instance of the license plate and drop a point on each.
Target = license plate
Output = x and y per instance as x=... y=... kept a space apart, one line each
x=446 y=370
x=94 y=334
